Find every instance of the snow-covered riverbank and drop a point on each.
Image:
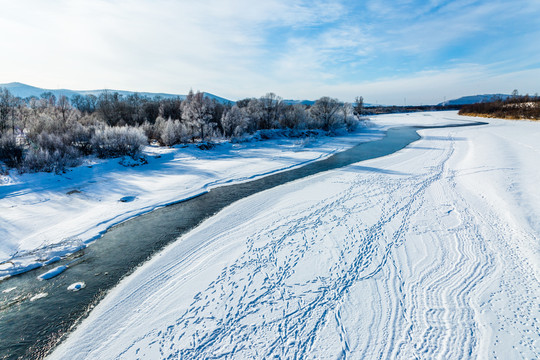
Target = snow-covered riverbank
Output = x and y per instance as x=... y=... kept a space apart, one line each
x=431 y=252
x=45 y=216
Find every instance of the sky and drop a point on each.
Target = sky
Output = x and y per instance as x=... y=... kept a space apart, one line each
x=390 y=52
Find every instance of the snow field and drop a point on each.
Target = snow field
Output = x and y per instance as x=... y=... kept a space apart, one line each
x=431 y=252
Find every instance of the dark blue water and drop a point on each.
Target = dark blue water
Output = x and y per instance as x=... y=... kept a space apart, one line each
x=29 y=329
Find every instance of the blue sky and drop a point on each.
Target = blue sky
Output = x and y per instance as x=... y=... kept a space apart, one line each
x=390 y=52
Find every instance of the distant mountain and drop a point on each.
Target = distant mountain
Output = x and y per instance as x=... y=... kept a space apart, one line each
x=295 y=102
x=24 y=91
x=465 y=100
x=219 y=99
x=311 y=102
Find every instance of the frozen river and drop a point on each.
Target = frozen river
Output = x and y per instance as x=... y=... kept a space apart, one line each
x=34 y=326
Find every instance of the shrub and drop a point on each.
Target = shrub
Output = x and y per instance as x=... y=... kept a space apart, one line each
x=325 y=110
x=38 y=159
x=515 y=107
x=111 y=142
x=151 y=130
x=91 y=120
x=55 y=143
x=79 y=137
x=50 y=142
x=351 y=123
x=172 y=133
x=44 y=123
x=10 y=152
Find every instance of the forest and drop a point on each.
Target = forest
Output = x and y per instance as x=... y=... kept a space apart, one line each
x=514 y=107
x=51 y=134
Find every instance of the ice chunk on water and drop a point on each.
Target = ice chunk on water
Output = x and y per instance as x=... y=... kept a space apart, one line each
x=53 y=272
x=77 y=286
x=38 y=296
x=52 y=260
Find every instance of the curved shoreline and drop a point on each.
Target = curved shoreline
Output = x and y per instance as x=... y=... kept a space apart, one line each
x=154 y=230
x=64 y=238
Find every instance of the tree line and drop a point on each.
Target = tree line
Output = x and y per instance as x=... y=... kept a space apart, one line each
x=514 y=107
x=51 y=134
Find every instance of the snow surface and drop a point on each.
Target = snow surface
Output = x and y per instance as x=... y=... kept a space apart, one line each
x=45 y=216
x=431 y=252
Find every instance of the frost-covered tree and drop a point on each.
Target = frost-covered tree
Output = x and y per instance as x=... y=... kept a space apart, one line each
x=118 y=141
x=38 y=159
x=254 y=114
x=49 y=134
x=347 y=117
x=325 y=110
x=346 y=110
x=234 y=122
x=243 y=102
x=52 y=142
x=197 y=112
x=295 y=117
x=171 y=132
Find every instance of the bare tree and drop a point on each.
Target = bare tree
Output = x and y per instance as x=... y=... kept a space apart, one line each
x=325 y=110
x=84 y=103
x=49 y=99
x=271 y=108
x=112 y=108
x=294 y=117
x=8 y=103
x=346 y=110
x=5 y=108
x=63 y=106
x=358 y=107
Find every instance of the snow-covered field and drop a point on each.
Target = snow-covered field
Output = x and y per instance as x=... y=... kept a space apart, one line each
x=431 y=252
x=44 y=216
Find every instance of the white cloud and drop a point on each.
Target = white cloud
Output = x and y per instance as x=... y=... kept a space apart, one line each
x=129 y=43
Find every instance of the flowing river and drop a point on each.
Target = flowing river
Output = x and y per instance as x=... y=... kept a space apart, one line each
x=36 y=314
